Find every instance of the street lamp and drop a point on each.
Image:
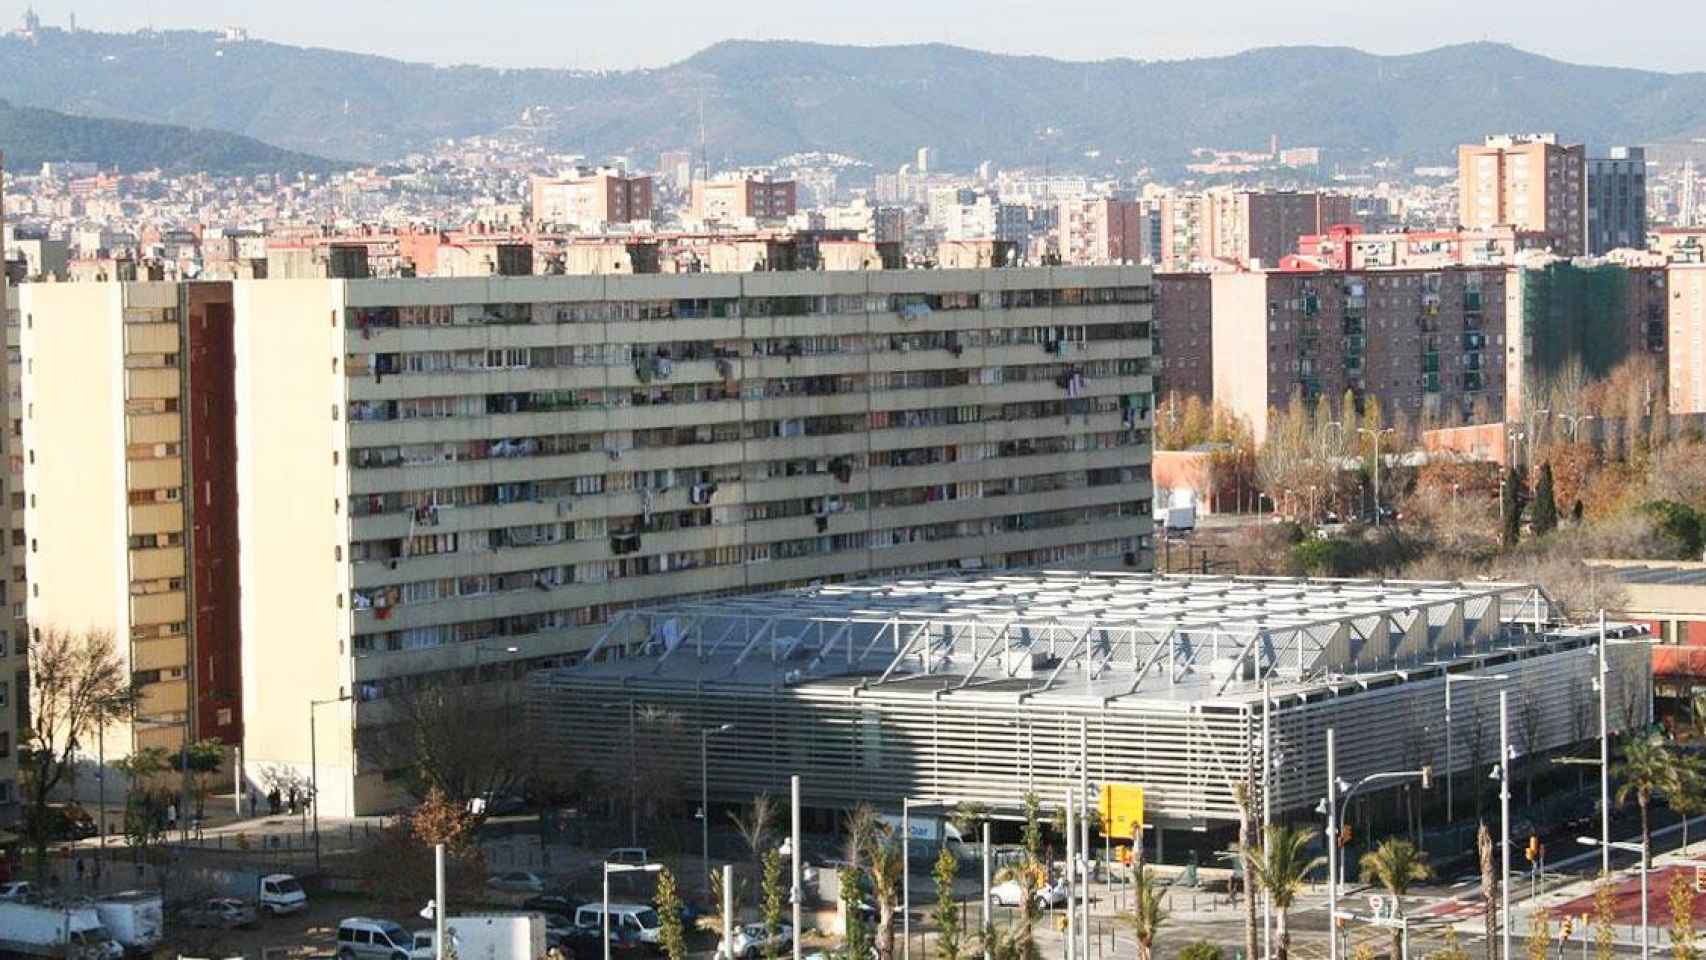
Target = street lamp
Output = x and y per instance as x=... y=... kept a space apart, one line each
x=1346 y=791
x=314 y=768
x=705 y=736
x=610 y=868
x=1451 y=678
x=633 y=775
x=1602 y=683
x=1329 y=806
x=1575 y=422
x=1502 y=773
x=1641 y=848
x=1376 y=434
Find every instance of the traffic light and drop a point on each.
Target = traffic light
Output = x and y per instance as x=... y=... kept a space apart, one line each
x=1565 y=928
x=1345 y=835
x=1428 y=777
x=1533 y=848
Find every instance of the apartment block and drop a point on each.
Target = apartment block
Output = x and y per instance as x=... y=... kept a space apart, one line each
x=744 y=198
x=433 y=474
x=592 y=198
x=1344 y=247
x=1255 y=228
x=1426 y=344
x=1530 y=182
x=1617 y=200
x=132 y=523
x=1183 y=336
x=1101 y=230
x=1686 y=319
x=1563 y=312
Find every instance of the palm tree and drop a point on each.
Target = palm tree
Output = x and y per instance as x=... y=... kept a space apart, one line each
x=1395 y=864
x=1686 y=792
x=1646 y=767
x=885 y=863
x=1282 y=869
x=1148 y=916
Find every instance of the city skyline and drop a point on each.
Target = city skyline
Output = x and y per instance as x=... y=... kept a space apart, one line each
x=1077 y=30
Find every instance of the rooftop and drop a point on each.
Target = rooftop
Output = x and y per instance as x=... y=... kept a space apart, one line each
x=1096 y=636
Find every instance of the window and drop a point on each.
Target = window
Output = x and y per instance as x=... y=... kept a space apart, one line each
x=5 y=751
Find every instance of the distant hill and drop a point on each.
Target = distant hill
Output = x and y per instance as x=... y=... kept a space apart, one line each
x=31 y=136
x=765 y=99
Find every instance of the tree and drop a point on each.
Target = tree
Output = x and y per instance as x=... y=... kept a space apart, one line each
x=1604 y=920
x=1395 y=864
x=754 y=825
x=1453 y=949
x=774 y=899
x=1646 y=768
x=967 y=817
x=441 y=738
x=1489 y=888
x=1686 y=792
x=1682 y=917
x=672 y=939
x=857 y=943
x=949 y=931
x=1539 y=934
x=204 y=757
x=1545 y=518
x=1510 y=509
x=146 y=798
x=398 y=864
x=886 y=867
x=1201 y=950
x=1281 y=869
x=1147 y=916
x=78 y=687
x=1248 y=833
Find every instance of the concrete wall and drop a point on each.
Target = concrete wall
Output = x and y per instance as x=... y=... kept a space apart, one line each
x=288 y=335
x=1239 y=347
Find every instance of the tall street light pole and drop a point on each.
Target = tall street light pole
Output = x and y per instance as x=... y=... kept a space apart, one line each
x=1602 y=682
x=1451 y=678
x=1332 y=804
x=705 y=796
x=314 y=768
x=1376 y=434
x=1645 y=851
x=1505 y=822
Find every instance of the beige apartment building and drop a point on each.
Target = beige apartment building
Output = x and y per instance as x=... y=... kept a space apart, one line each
x=132 y=527
x=461 y=480
x=737 y=199
x=1530 y=182
x=592 y=198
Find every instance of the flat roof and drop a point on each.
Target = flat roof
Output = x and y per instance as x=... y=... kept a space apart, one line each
x=1047 y=634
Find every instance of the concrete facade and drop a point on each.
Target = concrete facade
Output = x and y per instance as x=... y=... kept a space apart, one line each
x=1530 y=182
x=1617 y=200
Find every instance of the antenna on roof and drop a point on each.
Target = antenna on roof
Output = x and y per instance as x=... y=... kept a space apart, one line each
x=704 y=159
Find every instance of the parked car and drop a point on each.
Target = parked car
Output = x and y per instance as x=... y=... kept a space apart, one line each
x=517 y=881
x=364 y=938
x=584 y=943
x=633 y=856
x=1010 y=894
x=637 y=918
x=751 y=939
x=558 y=903
x=220 y=913
x=16 y=890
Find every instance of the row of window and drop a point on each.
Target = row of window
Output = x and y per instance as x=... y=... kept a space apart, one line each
x=521 y=625
x=370 y=318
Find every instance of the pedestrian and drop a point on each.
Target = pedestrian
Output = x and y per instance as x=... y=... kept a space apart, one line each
x=254 y=803
x=171 y=816
x=79 y=871
x=272 y=798
x=292 y=806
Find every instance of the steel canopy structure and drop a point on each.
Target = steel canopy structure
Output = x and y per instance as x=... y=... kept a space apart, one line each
x=982 y=685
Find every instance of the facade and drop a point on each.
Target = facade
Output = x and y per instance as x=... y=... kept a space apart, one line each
x=449 y=471
x=744 y=198
x=1186 y=236
x=1183 y=334
x=1255 y=228
x=134 y=526
x=1530 y=182
x=1686 y=319
x=14 y=592
x=983 y=688
x=1425 y=343
x=1562 y=312
x=1101 y=230
x=1617 y=200
x=1344 y=247
x=592 y=198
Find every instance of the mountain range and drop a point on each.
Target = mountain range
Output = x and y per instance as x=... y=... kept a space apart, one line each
x=761 y=100
x=31 y=136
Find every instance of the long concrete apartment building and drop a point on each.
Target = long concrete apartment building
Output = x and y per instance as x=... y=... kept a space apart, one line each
x=466 y=479
x=14 y=624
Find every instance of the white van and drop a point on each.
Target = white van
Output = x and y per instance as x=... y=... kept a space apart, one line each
x=633 y=919
x=364 y=938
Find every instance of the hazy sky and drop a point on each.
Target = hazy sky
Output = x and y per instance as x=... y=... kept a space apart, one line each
x=1663 y=34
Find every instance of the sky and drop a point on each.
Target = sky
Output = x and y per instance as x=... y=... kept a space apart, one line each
x=620 y=34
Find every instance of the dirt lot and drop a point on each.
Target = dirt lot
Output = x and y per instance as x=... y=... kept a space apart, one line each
x=314 y=931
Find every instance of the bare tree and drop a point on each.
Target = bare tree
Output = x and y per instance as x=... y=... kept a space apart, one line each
x=1530 y=713
x=1489 y=888
x=78 y=686
x=1581 y=720
x=447 y=736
